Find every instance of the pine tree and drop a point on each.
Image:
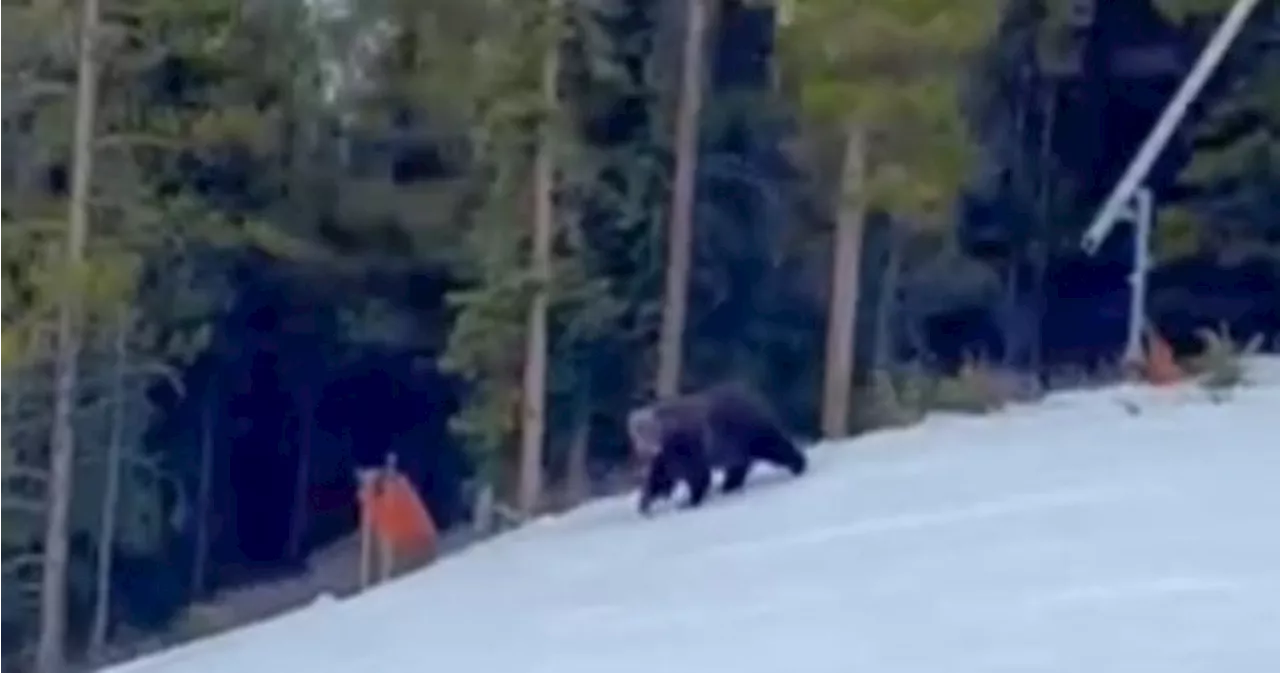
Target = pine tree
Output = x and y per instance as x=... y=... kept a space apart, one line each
x=886 y=76
x=53 y=593
x=122 y=146
x=465 y=71
x=680 y=225
x=1234 y=173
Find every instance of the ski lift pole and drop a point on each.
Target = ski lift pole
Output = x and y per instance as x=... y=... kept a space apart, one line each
x=1141 y=212
x=1168 y=122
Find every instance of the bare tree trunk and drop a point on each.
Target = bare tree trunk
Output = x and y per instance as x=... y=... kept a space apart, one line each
x=302 y=478
x=1041 y=247
x=886 y=307
x=204 y=492
x=533 y=402
x=577 y=479
x=675 y=304
x=1006 y=313
x=53 y=589
x=111 y=496
x=482 y=509
x=841 y=328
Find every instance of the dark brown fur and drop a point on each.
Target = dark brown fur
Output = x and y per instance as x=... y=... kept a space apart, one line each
x=683 y=439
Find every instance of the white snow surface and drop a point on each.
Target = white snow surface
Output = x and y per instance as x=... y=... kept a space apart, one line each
x=1069 y=536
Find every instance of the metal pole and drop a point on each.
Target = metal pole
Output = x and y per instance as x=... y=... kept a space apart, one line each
x=1169 y=120
x=366 y=479
x=1141 y=211
x=386 y=552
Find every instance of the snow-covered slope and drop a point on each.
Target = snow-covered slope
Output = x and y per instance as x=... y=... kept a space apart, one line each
x=1074 y=536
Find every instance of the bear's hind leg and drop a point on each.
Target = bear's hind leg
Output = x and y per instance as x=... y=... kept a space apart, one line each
x=698 y=478
x=735 y=477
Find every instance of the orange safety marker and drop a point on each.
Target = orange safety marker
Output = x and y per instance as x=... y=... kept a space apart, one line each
x=399 y=517
x=1161 y=368
x=392 y=513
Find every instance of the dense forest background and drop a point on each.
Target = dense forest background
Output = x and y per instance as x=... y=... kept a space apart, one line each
x=309 y=243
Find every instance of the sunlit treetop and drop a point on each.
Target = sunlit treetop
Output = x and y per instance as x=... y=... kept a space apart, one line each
x=896 y=69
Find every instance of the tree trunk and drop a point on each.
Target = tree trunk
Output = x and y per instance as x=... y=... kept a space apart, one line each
x=111 y=496
x=53 y=589
x=482 y=510
x=675 y=305
x=841 y=327
x=533 y=412
x=887 y=305
x=301 y=479
x=577 y=480
x=1042 y=242
x=204 y=492
x=1010 y=315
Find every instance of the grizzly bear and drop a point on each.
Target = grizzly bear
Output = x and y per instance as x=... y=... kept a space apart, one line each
x=685 y=438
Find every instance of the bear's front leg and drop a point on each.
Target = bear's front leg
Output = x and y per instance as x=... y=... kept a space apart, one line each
x=735 y=477
x=658 y=484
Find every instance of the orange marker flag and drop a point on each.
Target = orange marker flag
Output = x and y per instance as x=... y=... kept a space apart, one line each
x=1162 y=369
x=399 y=517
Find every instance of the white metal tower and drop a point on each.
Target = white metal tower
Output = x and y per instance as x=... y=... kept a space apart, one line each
x=1129 y=200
